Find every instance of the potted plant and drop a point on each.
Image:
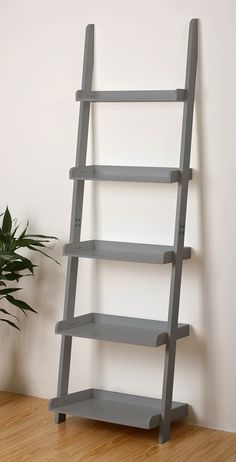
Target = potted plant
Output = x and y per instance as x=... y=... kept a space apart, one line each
x=14 y=266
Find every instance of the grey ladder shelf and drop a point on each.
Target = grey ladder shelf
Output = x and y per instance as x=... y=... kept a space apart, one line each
x=108 y=406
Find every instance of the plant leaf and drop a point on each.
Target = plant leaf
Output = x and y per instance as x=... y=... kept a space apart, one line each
x=11 y=323
x=24 y=231
x=17 y=265
x=12 y=276
x=15 y=276
x=41 y=236
x=27 y=242
x=30 y=265
x=51 y=258
x=6 y=222
x=8 y=291
x=6 y=256
x=14 y=232
x=20 y=304
x=2 y=237
x=9 y=314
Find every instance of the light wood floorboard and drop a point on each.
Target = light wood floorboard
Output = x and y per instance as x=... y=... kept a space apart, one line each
x=28 y=433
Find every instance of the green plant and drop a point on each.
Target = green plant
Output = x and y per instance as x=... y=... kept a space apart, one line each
x=14 y=266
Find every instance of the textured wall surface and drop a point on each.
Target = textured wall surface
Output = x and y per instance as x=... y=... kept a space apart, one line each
x=138 y=45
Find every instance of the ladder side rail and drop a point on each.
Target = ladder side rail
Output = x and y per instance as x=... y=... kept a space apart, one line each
x=176 y=273
x=76 y=218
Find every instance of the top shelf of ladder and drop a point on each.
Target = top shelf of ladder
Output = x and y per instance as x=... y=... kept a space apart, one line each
x=132 y=96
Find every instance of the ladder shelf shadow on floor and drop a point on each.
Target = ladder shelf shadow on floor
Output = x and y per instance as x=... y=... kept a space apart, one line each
x=109 y=406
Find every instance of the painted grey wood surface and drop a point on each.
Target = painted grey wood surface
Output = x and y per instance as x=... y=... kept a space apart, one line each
x=99 y=404
x=76 y=217
x=124 y=251
x=176 y=274
x=132 y=96
x=127 y=173
x=123 y=329
x=118 y=408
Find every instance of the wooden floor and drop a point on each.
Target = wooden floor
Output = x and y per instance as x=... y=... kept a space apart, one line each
x=28 y=433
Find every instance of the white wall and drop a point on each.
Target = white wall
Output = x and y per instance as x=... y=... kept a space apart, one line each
x=138 y=45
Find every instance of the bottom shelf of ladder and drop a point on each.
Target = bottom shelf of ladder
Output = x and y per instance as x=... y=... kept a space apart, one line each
x=113 y=407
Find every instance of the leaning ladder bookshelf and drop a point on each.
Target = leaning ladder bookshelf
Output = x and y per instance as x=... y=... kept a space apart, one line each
x=108 y=406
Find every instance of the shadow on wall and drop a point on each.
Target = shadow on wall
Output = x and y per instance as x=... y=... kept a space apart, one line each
x=203 y=344
x=40 y=292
